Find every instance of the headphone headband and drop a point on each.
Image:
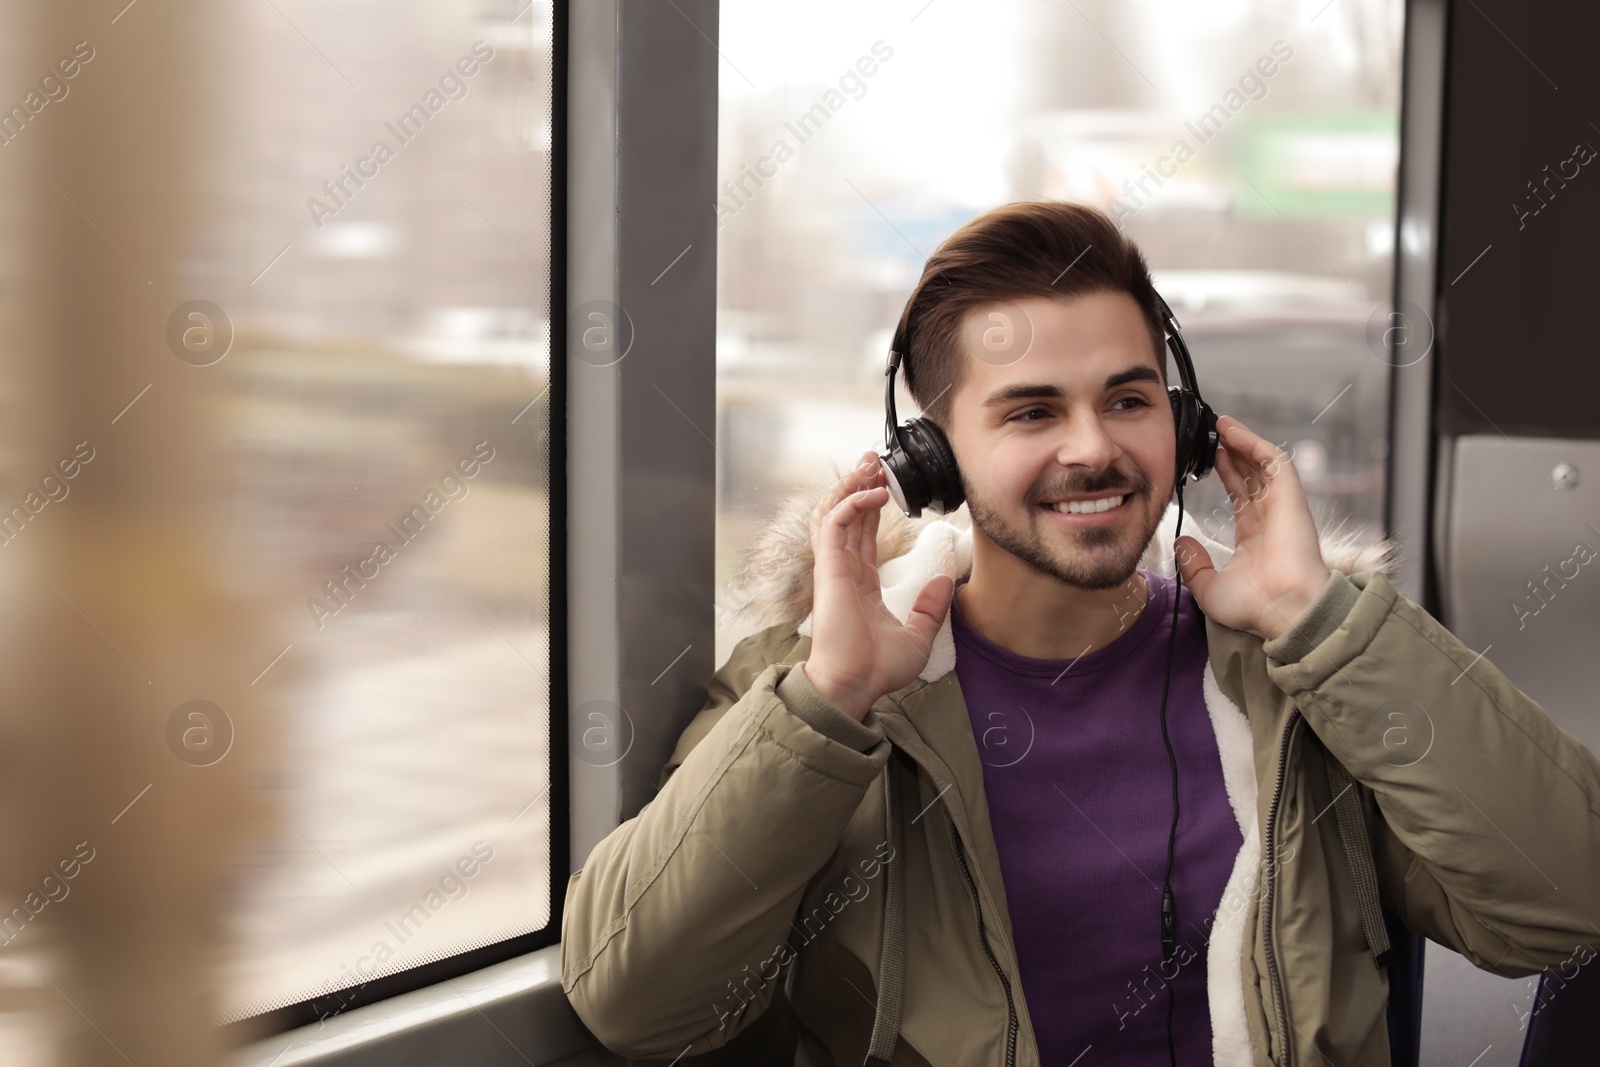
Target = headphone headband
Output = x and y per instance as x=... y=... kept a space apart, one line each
x=1180 y=350
x=889 y=419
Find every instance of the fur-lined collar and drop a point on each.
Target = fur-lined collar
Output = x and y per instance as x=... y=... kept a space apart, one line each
x=773 y=585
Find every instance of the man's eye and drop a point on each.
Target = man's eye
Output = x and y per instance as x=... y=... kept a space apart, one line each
x=1023 y=416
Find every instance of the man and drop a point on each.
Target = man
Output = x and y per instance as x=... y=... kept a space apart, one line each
x=931 y=798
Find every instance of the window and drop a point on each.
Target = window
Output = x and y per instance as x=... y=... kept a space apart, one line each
x=367 y=249
x=854 y=138
x=392 y=416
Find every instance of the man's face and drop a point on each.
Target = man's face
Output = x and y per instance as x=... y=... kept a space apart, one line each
x=1062 y=400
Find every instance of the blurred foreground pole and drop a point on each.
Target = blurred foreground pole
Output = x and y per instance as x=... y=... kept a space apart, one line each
x=119 y=602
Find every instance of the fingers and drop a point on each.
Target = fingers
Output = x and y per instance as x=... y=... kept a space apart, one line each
x=1192 y=558
x=1245 y=493
x=864 y=535
x=839 y=490
x=1194 y=564
x=1250 y=446
x=868 y=549
x=1257 y=459
x=1246 y=463
x=841 y=528
x=857 y=479
x=1257 y=464
x=928 y=613
x=1227 y=469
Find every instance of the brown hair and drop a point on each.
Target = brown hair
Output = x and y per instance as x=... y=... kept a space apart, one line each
x=1007 y=253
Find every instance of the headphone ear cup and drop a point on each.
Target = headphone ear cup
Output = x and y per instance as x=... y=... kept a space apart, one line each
x=943 y=478
x=907 y=487
x=1205 y=439
x=923 y=467
x=1183 y=421
x=1197 y=434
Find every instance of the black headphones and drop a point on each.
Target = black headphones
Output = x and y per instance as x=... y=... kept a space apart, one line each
x=921 y=471
x=921 y=467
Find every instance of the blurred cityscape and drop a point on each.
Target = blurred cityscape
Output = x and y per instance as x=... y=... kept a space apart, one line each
x=387 y=383
x=404 y=328
x=1250 y=149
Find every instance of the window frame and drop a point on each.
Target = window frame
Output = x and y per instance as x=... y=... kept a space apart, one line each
x=1412 y=478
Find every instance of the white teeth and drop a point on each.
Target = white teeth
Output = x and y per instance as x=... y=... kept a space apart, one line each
x=1087 y=507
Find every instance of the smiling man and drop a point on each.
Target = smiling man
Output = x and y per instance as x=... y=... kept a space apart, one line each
x=972 y=712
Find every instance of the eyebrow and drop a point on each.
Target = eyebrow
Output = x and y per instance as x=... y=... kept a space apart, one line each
x=1042 y=391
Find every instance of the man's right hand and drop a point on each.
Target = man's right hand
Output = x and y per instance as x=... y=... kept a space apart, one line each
x=859 y=650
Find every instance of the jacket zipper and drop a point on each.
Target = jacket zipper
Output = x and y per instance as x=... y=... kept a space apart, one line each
x=983 y=938
x=1279 y=1000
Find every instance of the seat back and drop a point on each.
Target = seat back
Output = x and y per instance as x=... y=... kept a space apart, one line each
x=1565 y=1021
x=1405 y=992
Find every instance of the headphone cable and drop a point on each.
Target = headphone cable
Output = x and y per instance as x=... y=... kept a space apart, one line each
x=1169 y=922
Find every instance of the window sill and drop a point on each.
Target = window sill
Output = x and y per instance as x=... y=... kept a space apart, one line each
x=504 y=1013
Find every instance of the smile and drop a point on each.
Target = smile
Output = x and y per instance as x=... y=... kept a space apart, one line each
x=1087 y=507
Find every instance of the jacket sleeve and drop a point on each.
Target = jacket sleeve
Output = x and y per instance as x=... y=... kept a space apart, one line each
x=1489 y=840
x=678 y=910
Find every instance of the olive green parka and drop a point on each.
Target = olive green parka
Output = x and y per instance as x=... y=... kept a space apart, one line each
x=1370 y=759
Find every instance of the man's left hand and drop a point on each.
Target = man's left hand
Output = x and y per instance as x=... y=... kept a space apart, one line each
x=1276 y=569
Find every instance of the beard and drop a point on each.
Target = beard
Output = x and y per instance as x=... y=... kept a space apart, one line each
x=1096 y=557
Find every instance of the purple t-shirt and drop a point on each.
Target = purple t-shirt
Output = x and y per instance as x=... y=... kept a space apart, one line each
x=1080 y=801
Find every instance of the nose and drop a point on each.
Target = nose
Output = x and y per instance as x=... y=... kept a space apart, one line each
x=1084 y=441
